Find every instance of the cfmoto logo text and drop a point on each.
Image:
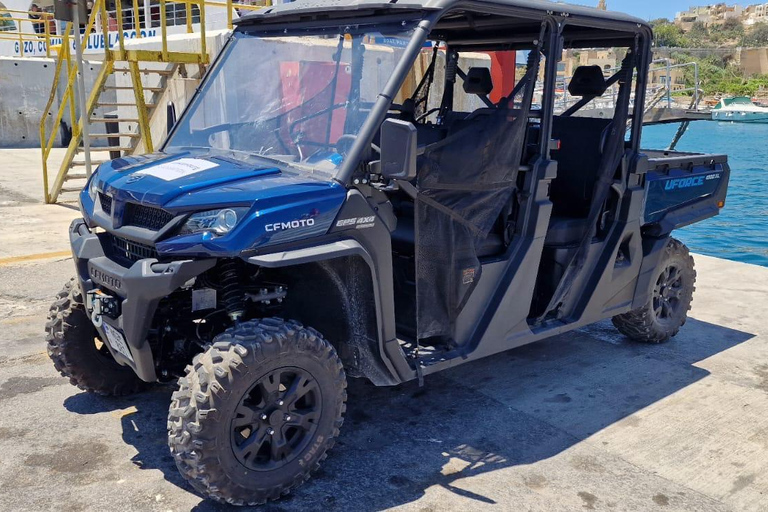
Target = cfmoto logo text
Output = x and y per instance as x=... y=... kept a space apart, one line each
x=684 y=183
x=106 y=279
x=281 y=226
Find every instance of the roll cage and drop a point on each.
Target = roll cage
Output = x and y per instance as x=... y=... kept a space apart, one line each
x=513 y=264
x=467 y=26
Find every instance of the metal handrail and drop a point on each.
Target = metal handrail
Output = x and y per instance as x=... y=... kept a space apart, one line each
x=18 y=35
x=99 y=21
x=64 y=56
x=47 y=143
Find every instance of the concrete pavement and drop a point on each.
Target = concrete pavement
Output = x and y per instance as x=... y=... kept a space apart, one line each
x=584 y=421
x=27 y=226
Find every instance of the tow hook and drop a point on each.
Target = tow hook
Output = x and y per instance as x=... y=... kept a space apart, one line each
x=99 y=304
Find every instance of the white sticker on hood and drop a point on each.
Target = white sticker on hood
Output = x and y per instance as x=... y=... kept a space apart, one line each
x=178 y=169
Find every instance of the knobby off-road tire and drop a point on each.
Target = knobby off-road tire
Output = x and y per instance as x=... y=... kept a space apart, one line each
x=667 y=310
x=257 y=412
x=78 y=353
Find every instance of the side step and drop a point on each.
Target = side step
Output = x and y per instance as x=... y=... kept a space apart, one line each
x=114 y=120
x=130 y=88
x=71 y=189
x=112 y=148
x=167 y=72
x=148 y=105
x=110 y=135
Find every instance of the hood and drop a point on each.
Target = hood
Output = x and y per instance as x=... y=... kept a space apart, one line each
x=159 y=179
x=282 y=206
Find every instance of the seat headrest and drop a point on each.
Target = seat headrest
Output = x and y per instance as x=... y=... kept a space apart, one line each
x=588 y=81
x=478 y=81
x=408 y=110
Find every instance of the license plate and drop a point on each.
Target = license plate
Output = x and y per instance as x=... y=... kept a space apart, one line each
x=117 y=341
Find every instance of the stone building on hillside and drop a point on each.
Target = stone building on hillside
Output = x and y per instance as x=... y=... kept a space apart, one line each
x=709 y=15
x=717 y=14
x=756 y=14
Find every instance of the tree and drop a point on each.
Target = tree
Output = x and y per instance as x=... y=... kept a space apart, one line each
x=667 y=34
x=698 y=35
x=758 y=36
x=718 y=77
x=733 y=25
x=730 y=31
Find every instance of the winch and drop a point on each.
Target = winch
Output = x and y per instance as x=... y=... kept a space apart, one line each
x=100 y=303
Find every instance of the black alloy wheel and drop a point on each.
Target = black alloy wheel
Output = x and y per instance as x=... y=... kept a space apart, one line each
x=670 y=297
x=276 y=419
x=257 y=412
x=667 y=293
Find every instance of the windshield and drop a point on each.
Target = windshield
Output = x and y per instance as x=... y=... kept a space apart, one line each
x=297 y=99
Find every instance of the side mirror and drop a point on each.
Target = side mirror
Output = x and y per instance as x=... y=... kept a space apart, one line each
x=170 y=118
x=398 y=150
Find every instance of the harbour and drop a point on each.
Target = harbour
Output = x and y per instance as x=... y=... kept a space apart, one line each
x=175 y=169
x=739 y=232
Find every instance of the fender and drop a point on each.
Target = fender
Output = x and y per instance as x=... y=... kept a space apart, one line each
x=374 y=246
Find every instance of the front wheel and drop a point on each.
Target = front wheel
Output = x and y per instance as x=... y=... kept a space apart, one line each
x=79 y=354
x=257 y=412
x=667 y=310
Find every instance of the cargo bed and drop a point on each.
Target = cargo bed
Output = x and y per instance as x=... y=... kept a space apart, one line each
x=682 y=188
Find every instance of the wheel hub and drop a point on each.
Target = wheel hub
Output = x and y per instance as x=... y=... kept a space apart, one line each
x=666 y=297
x=276 y=419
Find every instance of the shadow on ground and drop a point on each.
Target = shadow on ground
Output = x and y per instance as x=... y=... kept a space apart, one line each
x=517 y=408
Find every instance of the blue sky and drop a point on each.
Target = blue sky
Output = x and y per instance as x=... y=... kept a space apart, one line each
x=651 y=9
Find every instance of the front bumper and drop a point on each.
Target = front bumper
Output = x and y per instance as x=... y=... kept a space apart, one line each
x=139 y=288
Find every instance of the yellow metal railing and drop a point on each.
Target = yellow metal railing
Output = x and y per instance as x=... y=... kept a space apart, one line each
x=33 y=19
x=48 y=142
x=121 y=20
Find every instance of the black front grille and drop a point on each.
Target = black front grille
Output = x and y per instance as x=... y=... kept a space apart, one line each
x=145 y=216
x=127 y=252
x=106 y=203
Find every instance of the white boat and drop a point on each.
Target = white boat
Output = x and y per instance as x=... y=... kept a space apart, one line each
x=740 y=109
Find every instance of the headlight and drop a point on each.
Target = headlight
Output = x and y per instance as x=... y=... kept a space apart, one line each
x=92 y=185
x=219 y=222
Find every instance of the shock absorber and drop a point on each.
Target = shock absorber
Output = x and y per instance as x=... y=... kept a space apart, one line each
x=231 y=293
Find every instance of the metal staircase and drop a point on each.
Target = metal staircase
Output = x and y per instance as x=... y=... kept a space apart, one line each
x=126 y=93
x=115 y=112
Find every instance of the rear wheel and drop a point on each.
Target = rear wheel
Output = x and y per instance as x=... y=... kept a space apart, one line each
x=667 y=310
x=78 y=353
x=257 y=412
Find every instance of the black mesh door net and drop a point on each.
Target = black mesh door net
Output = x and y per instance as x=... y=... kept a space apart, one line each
x=464 y=183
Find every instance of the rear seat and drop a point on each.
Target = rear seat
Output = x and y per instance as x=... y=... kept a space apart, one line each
x=578 y=161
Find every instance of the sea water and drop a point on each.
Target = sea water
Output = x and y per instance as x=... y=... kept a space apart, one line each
x=740 y=232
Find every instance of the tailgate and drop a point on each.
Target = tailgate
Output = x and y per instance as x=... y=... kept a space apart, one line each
x=683 y=188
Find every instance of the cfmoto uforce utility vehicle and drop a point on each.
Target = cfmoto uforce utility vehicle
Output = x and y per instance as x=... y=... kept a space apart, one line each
x=349 y=194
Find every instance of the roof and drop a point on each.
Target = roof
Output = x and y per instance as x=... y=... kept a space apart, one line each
x=542 y=7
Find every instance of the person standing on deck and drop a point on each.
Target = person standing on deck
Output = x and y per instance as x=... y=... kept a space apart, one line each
x=36 y=23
